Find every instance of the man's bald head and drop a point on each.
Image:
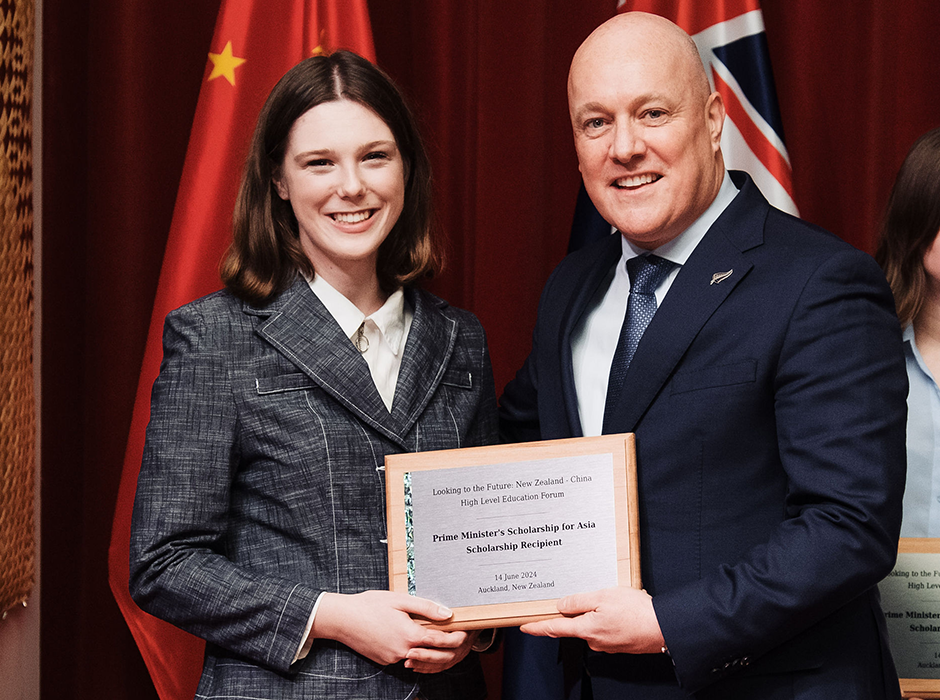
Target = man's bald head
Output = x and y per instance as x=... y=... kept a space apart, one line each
x=636 y=29
x=647 y=127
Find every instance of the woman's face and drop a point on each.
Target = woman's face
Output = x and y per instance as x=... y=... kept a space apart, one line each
x=345 y=180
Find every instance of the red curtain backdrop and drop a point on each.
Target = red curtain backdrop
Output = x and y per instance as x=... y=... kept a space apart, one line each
x=856 y=83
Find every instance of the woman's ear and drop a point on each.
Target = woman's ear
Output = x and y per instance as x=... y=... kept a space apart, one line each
x=282 y=190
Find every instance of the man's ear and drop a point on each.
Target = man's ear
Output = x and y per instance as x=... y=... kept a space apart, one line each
x=715 y=116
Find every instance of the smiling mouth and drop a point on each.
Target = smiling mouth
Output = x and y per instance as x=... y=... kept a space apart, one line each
x=352 y=217
x=634 y=181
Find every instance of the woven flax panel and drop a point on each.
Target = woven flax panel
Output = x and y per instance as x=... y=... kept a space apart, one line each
x=17 y=402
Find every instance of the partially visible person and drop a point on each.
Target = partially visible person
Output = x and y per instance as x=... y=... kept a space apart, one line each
x=259 y=521
x=909 y=253
x=758 y=360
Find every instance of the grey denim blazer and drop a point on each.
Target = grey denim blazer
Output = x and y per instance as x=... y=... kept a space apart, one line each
x=261 y=483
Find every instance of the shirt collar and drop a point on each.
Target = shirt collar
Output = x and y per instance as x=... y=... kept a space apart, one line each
x=913 y=353
x=680 y=248
x=389 y=319
x=907 y=333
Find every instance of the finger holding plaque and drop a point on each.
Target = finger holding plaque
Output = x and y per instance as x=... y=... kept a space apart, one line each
x=498 y=534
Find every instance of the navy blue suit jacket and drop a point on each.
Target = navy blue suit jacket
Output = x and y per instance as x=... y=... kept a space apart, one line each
x=769 y=412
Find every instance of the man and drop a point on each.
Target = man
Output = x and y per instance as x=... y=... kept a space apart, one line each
x=767 y=395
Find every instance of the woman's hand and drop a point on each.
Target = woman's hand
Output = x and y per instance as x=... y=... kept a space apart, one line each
x=440 y=658
x=378 y=625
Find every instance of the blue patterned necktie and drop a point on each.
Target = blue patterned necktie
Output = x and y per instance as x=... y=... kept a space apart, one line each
x=646 y=273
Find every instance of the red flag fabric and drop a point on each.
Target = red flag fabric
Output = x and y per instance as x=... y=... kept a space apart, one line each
x=731 y=40
x=254 y=44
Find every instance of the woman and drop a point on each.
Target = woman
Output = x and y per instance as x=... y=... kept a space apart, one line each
x=259 y=522
x=910 y=256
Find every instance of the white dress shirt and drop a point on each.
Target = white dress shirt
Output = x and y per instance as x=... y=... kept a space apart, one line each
x=922 y=492
x=594 y=341
x=384 y=333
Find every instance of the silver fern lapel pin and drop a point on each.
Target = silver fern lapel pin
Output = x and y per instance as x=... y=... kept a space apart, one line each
x=720 y=277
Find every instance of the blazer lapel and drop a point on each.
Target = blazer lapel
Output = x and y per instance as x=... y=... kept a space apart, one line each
x=607 y=255
x=301 y=328
x=428 y=350
x=701 y=286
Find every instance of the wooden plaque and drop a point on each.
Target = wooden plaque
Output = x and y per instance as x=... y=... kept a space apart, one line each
x=910 y=597
x=498 y=534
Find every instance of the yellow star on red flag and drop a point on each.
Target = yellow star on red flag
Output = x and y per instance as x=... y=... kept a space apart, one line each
x=321 y=49
x=224 y=64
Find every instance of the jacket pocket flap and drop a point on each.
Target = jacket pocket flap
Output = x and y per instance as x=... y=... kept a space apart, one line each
x=719 y=375
x=286 y=382
x=462 y=378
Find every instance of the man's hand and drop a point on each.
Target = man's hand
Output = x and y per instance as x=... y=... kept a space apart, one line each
x=615 y=620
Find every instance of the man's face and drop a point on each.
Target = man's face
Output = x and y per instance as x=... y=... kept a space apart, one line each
x=646 y=133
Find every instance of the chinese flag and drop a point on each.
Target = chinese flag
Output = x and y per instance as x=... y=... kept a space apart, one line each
x=255 y=43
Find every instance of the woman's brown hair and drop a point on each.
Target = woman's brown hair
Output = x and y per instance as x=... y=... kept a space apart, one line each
x=266 y=254
x=911 y=223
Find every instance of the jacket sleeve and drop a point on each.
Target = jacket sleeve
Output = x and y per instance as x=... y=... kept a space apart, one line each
x=179 y=570
x=840 y=410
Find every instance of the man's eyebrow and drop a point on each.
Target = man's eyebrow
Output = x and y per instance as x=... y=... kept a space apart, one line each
x=588 y=107
x=635 y=103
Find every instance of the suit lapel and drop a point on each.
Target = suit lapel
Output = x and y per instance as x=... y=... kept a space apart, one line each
x=595 y=271
x=701 y=286
x=301 y=328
